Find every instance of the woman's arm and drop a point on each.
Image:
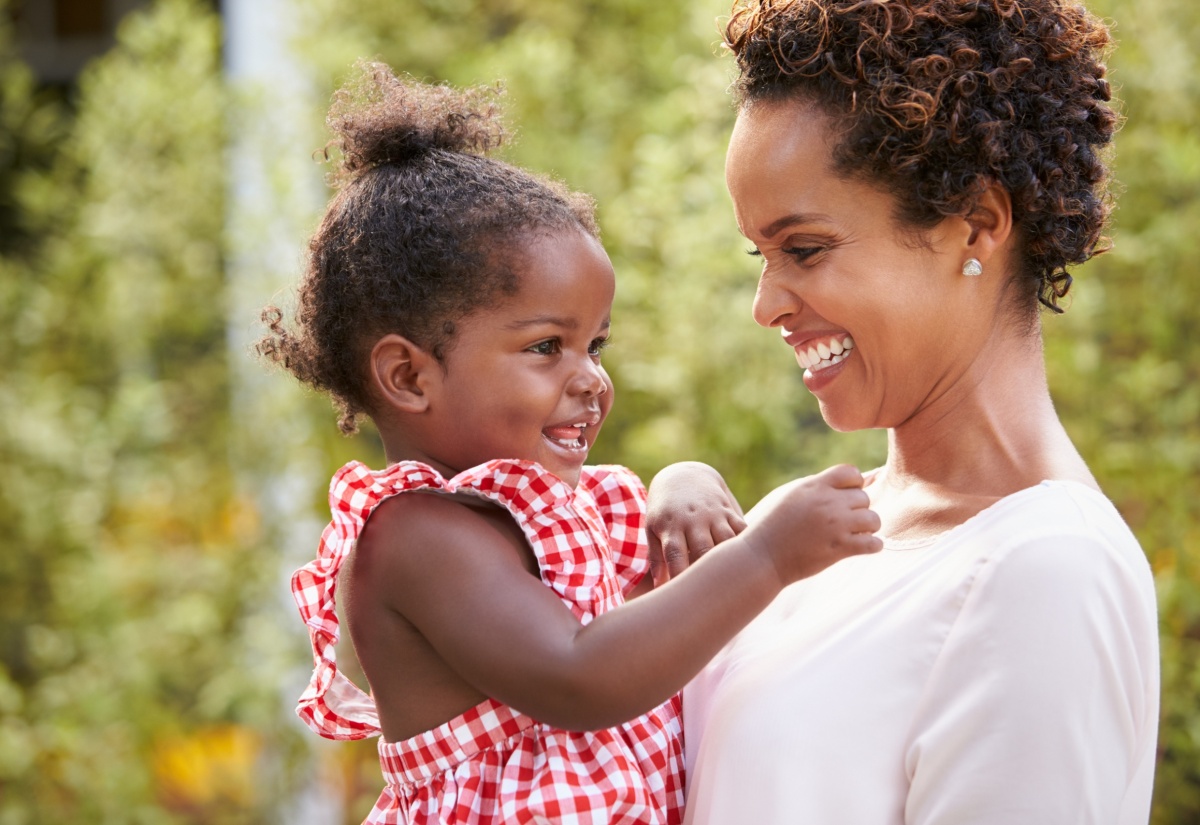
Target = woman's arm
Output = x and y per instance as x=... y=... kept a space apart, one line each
x=463 y=583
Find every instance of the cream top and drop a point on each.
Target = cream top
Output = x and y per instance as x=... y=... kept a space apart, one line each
x=1005 y=671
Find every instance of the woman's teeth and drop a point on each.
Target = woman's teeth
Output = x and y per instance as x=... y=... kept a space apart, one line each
x=825 y=353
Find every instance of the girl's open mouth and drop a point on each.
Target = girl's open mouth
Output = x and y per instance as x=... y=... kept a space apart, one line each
x=570 y=437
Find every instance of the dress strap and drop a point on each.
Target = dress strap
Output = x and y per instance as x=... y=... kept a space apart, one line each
x=563 y=526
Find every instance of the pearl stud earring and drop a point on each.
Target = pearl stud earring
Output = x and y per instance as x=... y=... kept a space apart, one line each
x=972 y=267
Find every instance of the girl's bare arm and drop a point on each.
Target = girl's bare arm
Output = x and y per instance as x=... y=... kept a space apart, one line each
x=465 y=585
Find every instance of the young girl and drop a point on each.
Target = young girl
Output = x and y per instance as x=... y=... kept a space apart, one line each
x=463 y=304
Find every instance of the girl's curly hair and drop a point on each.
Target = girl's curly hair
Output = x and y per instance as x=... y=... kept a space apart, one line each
x=422 y=231
x=938 y=98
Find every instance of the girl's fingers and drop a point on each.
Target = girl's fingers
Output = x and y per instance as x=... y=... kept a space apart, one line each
x=722 y=531
x=699 y=541
x=672 y=558
x=859 y=498
x=737 y=523
x=865 y=521
x=842 y=476
x=866 y=543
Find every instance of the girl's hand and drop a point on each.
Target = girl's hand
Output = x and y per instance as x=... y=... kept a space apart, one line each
x=690 y=510
x=808 y=524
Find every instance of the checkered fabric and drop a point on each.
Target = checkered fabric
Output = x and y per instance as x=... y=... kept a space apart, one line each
x=493 y=764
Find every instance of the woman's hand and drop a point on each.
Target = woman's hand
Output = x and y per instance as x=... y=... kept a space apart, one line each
x=690 y=510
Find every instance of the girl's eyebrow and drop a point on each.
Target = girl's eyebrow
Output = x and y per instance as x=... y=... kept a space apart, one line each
x=539 y=320
x=551 y=320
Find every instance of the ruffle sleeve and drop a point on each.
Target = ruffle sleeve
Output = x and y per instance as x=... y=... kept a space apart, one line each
x=332 y=705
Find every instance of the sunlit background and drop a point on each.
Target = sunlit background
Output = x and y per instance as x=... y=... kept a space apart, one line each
x=158 y=485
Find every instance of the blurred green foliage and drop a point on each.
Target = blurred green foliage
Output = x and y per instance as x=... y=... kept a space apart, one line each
x=142 y=646
x=1125 y=366
x=131 y=574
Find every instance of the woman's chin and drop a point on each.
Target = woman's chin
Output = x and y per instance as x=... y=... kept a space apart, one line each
x=839 y=419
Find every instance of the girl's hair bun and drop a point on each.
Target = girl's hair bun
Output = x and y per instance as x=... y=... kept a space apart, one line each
x=381 y=119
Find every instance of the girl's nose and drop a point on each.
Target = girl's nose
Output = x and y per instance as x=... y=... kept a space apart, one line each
x=589 y=379
x=773 y=302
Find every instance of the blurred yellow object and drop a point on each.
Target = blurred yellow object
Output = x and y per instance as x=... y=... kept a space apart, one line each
x=211 y=766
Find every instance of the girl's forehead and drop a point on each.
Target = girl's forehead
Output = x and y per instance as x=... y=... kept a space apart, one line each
x=562 y=279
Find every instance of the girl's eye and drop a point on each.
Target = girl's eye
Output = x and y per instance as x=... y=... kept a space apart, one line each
x=547 y=347
x=598 y=346
x=754 y=252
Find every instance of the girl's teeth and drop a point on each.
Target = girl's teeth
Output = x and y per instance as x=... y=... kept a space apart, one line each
x=571 y=444
x=573 y=436
x=835 y=347
x=823 y=351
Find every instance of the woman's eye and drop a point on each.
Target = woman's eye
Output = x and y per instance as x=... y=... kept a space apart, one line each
x=548 y=347
x=801 y=253
x=598 y=346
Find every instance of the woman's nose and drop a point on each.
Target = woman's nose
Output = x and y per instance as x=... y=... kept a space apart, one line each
x=773 y=301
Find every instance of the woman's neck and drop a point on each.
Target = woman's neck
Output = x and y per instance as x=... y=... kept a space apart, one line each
x=996 y=433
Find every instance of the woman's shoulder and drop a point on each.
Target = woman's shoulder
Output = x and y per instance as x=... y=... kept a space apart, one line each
x=1057 y=510
x=1063 y=540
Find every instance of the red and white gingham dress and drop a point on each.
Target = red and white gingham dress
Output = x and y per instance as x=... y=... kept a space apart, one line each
x=493 y=764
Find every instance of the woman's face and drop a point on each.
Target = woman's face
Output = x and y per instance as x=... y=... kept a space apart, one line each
x=882 y=320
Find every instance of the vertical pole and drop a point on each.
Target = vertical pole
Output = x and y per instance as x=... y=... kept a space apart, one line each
x=275 y=193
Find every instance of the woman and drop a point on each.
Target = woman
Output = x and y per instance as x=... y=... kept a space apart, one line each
x=916 y=175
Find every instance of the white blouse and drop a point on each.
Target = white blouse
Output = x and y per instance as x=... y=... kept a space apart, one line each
x=1005 y=671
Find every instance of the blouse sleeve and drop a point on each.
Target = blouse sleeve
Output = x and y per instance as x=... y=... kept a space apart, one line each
x=1043 y=704
x=621 y=499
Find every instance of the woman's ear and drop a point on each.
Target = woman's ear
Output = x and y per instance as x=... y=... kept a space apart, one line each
x=401 y=372
x=989 y=224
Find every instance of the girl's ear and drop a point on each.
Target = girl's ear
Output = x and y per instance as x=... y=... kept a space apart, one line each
x=989 y=224
x=401 y=372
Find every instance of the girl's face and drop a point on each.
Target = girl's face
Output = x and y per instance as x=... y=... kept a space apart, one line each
x=523 y=379
x=882 y=322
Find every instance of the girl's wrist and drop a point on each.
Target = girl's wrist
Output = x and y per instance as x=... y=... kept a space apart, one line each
x=755 y=557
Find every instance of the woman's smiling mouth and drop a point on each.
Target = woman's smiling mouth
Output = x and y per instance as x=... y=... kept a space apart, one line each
x=816 y=354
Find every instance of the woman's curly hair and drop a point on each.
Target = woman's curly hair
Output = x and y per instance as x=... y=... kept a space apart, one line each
x=939 y=98
x=423 y=230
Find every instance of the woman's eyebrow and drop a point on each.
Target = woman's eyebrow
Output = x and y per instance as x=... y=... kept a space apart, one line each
x=790 y=220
